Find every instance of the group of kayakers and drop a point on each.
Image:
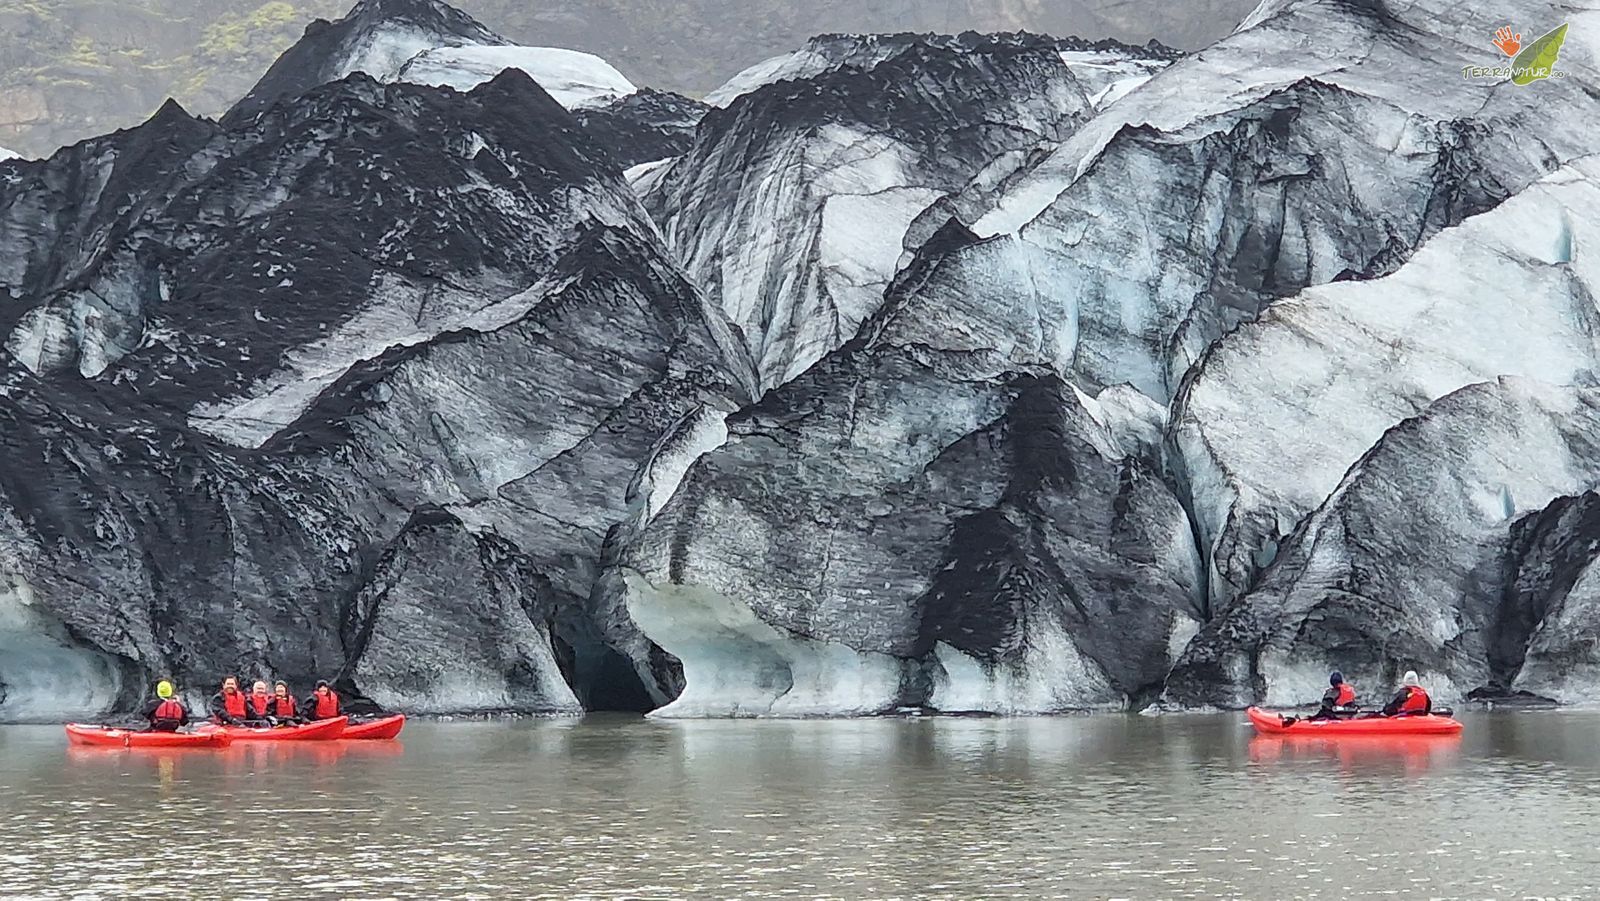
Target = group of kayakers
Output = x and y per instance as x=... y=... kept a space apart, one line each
x=1340 y=699
x=231 y=706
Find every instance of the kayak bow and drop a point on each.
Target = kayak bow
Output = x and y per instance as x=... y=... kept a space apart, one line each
x=385 y=728
x=1269 y=723
x=112 y=737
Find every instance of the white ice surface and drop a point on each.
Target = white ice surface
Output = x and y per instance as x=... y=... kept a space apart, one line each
x=736 y=664
x=44 y=677
x=1117 y=90
x=644 y=177
x=383 y=52
x=1052 y=676
x=1469 y=466
x=704 y=433
x=400 y=315
x=9 y=154
x=87 y=329
x=799 y=64
x=404 y=53
x=573 y=78
x=1508 y=292
x=806 y=254
x=1574 y=676
x=1132 y=421
x=1200 y=91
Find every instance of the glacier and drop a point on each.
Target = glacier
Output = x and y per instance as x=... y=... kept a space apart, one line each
x=1507 y=292
x=1003 y=374
x=574 y=79
x=428 y=43
x=45 y=676
x=839 y=185
x=1362 y=587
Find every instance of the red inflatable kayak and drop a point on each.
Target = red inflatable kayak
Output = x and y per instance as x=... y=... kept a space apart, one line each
x=112 y=737
x=1268 y=723
x=387 y=727
x=321 y=730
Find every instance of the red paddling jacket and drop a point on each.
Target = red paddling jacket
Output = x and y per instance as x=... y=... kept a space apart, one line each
x=166 y=715
x=316 y=707
x=1411 y=699
x=231 y=709
x=284 y=709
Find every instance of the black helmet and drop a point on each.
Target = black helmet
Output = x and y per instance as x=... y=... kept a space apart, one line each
x=1337 y=678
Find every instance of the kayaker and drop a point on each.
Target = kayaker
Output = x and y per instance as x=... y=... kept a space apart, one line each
x=166 y=713
x=1411 y=699
x=260 y=703
x=323 y=703
x=1339 y=699
x=283 y=709
x=228 y=705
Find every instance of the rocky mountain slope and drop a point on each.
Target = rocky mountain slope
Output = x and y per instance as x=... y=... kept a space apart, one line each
x=987 y=373
x=71 y=69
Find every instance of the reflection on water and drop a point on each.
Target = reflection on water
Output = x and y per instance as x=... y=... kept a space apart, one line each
x=1362 y=755
x=1095 y=807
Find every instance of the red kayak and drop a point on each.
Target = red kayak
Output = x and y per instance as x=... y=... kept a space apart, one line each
x=1268 y=723
x=321 y=730
x=112 y=737
x=385 y=728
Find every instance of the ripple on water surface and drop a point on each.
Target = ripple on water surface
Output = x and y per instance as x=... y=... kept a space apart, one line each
x=612 y=807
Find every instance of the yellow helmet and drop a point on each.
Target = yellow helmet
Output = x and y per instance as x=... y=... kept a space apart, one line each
x=163 y=689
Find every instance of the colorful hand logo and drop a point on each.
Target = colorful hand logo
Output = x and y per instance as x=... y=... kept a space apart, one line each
x=1508 y=42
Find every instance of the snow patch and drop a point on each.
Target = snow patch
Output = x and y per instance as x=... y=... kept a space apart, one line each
x=1115 y=91
x=799 y=64
x=576 y=80
x=1108 y=76
x=645 y=176
x=1264 y=11
x=384 y=51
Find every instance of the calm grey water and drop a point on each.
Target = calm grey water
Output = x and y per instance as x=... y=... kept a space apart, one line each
x=1081 y=807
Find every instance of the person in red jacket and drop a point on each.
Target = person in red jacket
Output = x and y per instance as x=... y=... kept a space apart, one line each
x=283 y=709
x=323 y=703
x=1339 y=700
x=260 y=704
x=228 y=706
x=165 y=712
x=1411 y=700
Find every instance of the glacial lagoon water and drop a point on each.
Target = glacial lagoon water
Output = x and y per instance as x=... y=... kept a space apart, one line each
x=620 y=807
